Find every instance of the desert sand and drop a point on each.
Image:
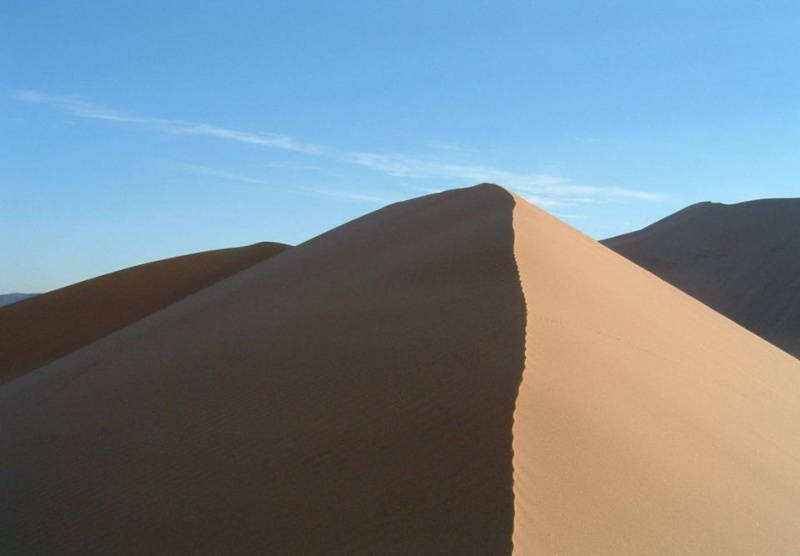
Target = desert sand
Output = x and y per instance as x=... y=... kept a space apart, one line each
x=456 y=374
x=742 y=260
x=645 y=423
x=54 y=324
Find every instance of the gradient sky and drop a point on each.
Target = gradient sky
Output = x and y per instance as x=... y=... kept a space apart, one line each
x=138 y=130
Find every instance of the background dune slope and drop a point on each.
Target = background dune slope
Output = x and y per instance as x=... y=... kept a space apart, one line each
x=9 y=298
x=646 y=423
x=353 y=395
x=742 y=260
x=41 y=329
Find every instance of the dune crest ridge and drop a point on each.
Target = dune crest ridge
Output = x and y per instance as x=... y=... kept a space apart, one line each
x=646 y=423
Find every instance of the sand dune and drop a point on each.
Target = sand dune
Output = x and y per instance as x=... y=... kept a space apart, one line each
x=645 y=423
x=353 y=395
x=46 y=327
x=457 y=374
x=742 y=260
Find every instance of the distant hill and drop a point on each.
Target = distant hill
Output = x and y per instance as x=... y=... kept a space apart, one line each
x=742 y=260
x=9 y=298
x=59 y=322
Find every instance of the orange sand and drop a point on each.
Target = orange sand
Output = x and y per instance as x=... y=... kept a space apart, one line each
x=646 y=423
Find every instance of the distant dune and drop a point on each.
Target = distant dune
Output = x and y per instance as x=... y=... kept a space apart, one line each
x=9 y=298
x=742 y=260
x=54 y=324
x=456 y=374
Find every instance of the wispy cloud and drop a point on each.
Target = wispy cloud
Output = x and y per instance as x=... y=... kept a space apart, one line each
x=216 y=173
x=576 y=194
x=542 y=189
x=539 y=186
x=83 y=109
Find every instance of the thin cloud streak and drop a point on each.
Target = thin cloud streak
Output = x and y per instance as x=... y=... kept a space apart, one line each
x=534 y=184
x=542 y=189
x=410 y=167
x=217 y=173
x=83 y=109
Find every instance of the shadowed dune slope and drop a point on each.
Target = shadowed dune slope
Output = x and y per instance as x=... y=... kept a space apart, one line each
x=43 y=328
x=646 y=423
x=742 y=260
x=353 y=395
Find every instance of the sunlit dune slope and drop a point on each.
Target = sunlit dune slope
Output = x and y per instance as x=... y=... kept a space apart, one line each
x=46 y=327
x=742 y=260
x=646 y=423
x=353 y=395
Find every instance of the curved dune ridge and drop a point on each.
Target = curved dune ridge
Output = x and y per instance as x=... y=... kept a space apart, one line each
x=742 y=260
x=43 y=328
x=456 y=374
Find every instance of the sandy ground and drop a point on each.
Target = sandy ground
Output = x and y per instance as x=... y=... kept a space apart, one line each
x=42 y=329
x=646 y=423
x=742 y=260
x=456 y=374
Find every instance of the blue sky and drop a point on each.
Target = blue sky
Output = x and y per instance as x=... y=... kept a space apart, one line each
x=138 y=130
